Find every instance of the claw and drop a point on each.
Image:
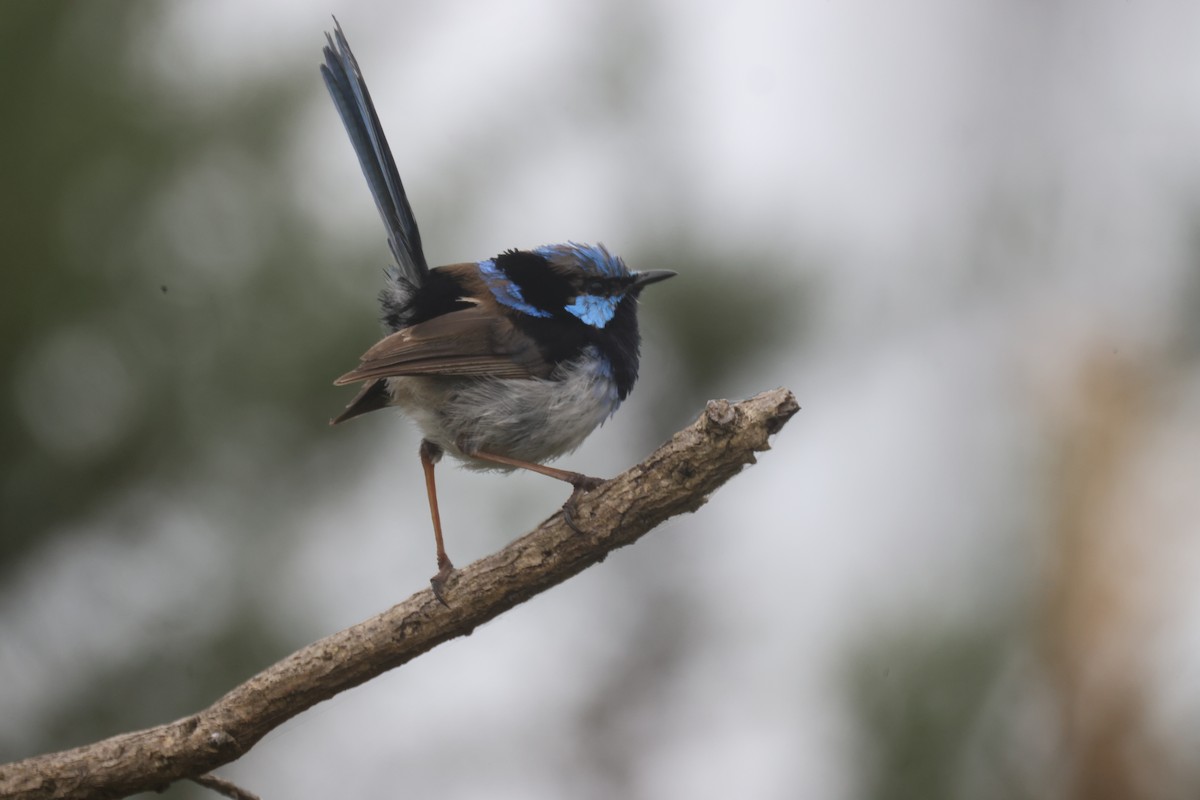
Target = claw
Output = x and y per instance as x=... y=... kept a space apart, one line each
x=568 y=517
x=438 y=583
x=583 y=484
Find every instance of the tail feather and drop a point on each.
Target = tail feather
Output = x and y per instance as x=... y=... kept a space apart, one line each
x=349 y=92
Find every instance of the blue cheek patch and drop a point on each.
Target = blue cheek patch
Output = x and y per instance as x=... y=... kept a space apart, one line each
x=595 y=311
x=506 y=292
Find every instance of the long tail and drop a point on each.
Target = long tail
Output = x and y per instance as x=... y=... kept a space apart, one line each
x=349 y=92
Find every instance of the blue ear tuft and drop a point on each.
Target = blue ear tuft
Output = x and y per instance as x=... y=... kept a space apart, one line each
x=595 y=310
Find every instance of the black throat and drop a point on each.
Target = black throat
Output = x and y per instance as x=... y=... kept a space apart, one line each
x=562 y=336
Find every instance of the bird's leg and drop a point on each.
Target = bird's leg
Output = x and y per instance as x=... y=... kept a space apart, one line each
x=582 y=483
x=430 y=454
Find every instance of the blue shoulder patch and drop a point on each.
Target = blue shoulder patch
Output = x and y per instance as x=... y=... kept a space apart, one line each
x=506 y=292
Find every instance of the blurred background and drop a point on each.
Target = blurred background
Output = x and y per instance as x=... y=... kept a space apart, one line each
x=967 y=235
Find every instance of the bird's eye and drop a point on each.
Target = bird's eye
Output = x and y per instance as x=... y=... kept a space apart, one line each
x=594 y=286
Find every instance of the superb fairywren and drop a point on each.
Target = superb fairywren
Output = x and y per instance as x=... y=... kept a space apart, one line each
x=503 y=363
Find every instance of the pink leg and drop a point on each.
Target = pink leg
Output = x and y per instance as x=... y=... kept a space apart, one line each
x=430 y=453
x=581 y=482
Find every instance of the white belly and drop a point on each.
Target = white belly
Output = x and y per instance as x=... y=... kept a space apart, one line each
x=531 y=419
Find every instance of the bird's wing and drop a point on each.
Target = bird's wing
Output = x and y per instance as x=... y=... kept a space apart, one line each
x=349 y=92
x=371 y=397
x=470 y=342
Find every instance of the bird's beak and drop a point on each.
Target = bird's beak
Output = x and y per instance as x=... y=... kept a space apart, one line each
x=641 y=279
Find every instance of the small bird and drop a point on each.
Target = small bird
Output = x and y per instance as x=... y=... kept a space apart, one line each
x=503 y=363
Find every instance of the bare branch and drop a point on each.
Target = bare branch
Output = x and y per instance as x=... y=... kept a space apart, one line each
x=677 y=477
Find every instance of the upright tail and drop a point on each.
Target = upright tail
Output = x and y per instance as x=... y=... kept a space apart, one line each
x=349 y=92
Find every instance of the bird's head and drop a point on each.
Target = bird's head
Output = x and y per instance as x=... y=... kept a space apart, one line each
x=582 y=281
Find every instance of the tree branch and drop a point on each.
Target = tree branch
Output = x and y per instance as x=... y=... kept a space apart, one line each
x=677 y=477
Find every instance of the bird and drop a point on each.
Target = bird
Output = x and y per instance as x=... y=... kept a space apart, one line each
x=504 y=363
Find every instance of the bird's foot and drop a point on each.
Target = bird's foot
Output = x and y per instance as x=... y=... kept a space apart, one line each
x=583 y=484
x=439 y=582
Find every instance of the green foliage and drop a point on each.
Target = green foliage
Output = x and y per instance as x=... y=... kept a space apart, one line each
x=918 y=701
x=158 y=270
